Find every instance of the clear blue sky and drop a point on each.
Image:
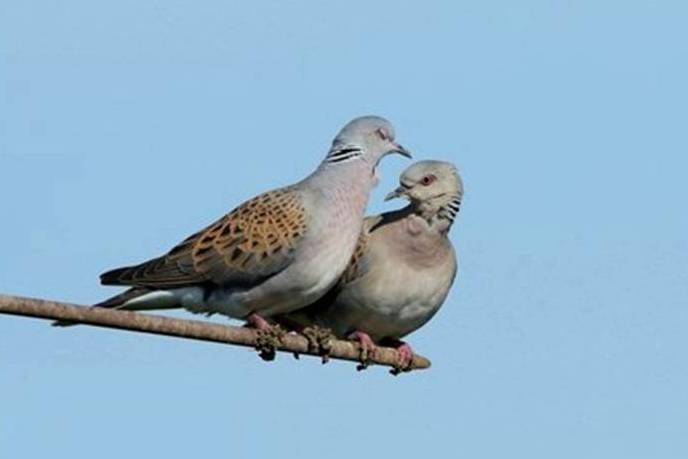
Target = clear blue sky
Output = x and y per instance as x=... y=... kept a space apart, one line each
x=127 y=125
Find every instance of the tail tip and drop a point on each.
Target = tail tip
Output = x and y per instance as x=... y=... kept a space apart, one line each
x=63 y=323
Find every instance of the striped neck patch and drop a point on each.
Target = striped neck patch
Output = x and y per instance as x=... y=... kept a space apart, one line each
x=451 y=210
x=343 y=154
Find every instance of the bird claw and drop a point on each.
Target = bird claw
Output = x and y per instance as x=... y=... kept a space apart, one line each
x=367 y=349
x=267 y=342
x=319 y=341
x=405 y=361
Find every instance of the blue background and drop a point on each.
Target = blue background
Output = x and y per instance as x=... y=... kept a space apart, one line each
x=125 y=126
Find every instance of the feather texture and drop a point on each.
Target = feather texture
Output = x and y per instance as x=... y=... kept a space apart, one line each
x=252 y=242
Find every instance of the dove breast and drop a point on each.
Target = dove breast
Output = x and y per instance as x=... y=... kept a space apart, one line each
x=404 y=275
x=320 y=256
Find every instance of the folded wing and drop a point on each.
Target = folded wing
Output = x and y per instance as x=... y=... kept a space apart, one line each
x=254 y=241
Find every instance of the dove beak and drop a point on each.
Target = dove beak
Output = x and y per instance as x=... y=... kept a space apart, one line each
x=397 y=193
x=402 y=151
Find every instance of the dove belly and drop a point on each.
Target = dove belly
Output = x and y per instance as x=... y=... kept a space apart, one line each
x=380 y=317
x=391 y=302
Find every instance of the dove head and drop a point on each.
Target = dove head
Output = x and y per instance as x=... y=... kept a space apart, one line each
x=435 y=189
x=369 y=138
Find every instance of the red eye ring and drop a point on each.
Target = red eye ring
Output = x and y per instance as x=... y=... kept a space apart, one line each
x=383 y=134
x=427 y=180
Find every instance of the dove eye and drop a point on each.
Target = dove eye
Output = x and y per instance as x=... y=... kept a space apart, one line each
x=383 y=134
x=427 y=180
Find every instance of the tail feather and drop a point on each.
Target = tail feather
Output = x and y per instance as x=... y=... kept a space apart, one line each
x=116 y=276
x=119 y=301
x=115 y=302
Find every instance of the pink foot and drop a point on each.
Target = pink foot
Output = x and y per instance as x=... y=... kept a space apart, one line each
x=364 y=340
x=368 y=347
x=405 y=355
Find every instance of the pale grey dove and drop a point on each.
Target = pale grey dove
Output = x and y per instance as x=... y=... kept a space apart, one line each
x=402 y=269
x=275 y=253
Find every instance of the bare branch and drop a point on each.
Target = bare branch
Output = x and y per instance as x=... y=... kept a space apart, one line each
x=189 y=329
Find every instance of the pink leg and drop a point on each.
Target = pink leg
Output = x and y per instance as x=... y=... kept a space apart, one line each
x=368 y=347
x=258 y=322
x=405 y=354
x=364 y=340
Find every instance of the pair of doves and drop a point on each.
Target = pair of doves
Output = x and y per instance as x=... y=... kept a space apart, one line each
x=305 y=256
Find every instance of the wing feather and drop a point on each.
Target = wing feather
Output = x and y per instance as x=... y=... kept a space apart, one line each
x=252 y=242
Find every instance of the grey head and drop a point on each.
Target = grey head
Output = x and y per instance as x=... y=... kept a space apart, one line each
x=369 y=138
x=435 y=189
